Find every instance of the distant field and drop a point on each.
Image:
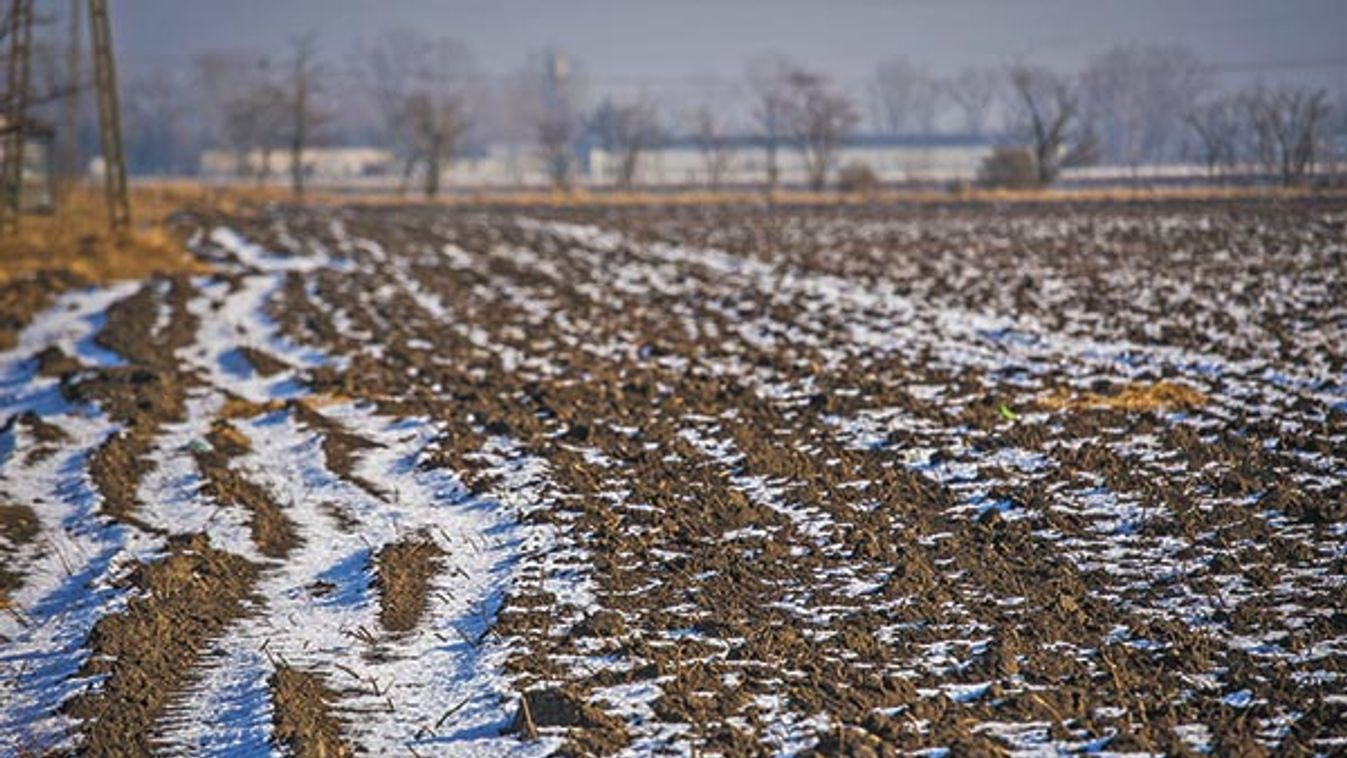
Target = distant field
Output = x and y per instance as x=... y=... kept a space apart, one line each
x=998 y=473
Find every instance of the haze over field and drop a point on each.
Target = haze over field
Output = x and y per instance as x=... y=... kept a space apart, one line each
x=669 y=45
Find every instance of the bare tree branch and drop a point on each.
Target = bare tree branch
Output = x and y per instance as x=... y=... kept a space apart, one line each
x=1288 y=124
x=819 y=118
x=769 y=80
x=1218 y=125
x=713 y=143
x=625 y=131
x=905 y=97
x=546 y=94
x=974 y=92
x=1133 y=97
x=423 y=86
x=1046 y=115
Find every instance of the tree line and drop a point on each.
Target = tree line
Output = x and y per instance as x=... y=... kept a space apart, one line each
x=424 y=98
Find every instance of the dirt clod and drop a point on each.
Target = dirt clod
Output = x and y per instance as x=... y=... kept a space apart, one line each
x=304 y=715
x=402 y=574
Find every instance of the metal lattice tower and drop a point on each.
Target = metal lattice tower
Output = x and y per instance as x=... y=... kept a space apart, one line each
x=109 y=118
x=16 y=111
x=70 y=147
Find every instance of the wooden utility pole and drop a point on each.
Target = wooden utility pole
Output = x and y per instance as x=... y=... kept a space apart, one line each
x=109 y=119
x=16 y=113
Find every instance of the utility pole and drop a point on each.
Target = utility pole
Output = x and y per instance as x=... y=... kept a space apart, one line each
x=16 y=112
x=109 y=120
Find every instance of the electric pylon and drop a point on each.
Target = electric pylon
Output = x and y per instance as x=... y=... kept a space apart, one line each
x=16 y=113
x=109 y=118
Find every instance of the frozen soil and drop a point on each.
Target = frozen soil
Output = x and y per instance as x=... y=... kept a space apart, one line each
x=1034 y=479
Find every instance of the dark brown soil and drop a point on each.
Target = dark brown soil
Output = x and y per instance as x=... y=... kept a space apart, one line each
x=402 y=574
x=590 y=730
x=43 y=433
x=341 y=448
x=18 y=524
x=117 y=467
x=227 y=439
x=132 y=323
x=341 y=516
x=54 y=362
x=263 y=362
x=236 y=407
x=811 y=565
x=18 y=527
x=46 y=438
x=880 y=481
x=141 y=396
x=304 y=715
x=20 y=300
x=272 y=531
x=181 y=602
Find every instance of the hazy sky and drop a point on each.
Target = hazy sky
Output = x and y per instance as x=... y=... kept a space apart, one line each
x=658 y=43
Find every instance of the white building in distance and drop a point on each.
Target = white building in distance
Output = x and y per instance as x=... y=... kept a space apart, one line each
x=677 y=164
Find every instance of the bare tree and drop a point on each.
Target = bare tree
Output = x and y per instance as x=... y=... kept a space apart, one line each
x=246 y=108
x=905 y=97
x=423 y=87
x=255 y=119
x=1135 y=97
x=1337 y=138
x=546 y=96
x=157 y=113
x=973 y=91
x=713 y=142
x=625 y=131
x=1218 y=124
x=769 y=81
x=819 y=118
x=1046 y=111
x=1287 y=128
x=302 y=89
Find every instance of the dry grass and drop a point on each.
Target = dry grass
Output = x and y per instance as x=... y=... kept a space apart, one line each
x=1132 y=398
x=241 y=196
x=76 y=240
x=582 y=197
x=236 y=407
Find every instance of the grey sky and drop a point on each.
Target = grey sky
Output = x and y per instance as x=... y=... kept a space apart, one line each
x=654 y=44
